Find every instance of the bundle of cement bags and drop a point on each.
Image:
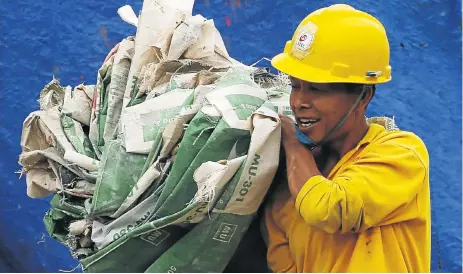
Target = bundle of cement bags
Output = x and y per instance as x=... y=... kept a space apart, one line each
x=162 y=165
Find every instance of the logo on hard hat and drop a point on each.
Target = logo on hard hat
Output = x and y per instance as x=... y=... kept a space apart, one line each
x=304 y=41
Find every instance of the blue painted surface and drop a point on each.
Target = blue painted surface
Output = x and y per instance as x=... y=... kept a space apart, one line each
x=69 y=39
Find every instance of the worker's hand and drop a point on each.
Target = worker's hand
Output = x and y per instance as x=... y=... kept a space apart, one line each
x=289 y=137
x=300 y=161
x=288 y=132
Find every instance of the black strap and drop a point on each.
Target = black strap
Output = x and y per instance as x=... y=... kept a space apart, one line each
x=344 y=119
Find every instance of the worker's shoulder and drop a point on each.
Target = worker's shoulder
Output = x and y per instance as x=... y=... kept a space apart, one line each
x=401 y=140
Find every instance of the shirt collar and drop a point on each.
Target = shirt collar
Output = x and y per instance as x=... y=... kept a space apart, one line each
x=373 y=131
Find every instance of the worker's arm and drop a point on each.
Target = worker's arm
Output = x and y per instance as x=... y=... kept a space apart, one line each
x=379 y=188
x=279 y=256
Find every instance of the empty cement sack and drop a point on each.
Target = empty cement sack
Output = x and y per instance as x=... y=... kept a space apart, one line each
x=141 y=123
x=229 y=139
x=78 y=103
x=210 y=245
x=99 y=109
x=44 y=143
x=157 y=21
x=76 y=136
x=51 y=95
x=119 y=171
x=139 y=239
x=119 y=76
x=159 y=159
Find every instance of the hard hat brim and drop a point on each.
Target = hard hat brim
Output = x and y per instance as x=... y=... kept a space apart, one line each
x=292 y=66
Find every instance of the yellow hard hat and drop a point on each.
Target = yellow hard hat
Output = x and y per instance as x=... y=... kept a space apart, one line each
x=337 y=44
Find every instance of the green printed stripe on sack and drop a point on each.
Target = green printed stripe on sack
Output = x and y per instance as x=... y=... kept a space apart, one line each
x=76 y=136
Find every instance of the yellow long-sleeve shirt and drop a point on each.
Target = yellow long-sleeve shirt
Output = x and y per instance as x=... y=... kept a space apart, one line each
x=372 y=213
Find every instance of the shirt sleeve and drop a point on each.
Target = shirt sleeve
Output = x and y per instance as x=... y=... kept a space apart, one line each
x=380 y=187
x=279 y=257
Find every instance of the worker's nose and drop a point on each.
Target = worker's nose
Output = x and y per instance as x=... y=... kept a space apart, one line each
x=301 y=98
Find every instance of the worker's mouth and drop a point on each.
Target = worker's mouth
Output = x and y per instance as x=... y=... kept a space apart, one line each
x=305 y=123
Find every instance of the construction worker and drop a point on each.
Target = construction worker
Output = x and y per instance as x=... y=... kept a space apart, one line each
x=356 y=198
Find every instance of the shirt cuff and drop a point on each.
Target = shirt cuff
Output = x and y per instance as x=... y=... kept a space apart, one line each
x=306 y=188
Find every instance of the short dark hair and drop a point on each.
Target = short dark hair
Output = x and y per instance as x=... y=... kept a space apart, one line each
x=354 y=88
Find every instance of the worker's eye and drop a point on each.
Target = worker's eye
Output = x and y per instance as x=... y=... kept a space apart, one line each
x=295 y=88
x=315 y=89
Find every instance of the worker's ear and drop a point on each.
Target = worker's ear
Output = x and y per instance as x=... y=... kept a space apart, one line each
x=366 y=97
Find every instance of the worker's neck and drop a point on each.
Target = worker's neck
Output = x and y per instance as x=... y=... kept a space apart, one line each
x=345 y=143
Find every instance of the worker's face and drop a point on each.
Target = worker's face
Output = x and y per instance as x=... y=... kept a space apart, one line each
x=319 y=107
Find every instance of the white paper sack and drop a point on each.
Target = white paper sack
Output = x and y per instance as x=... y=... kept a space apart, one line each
x=145 y=77
x=173 y=131
x=156 y=16
x=42 y=129
x=184 y=81
x=94 y=132
x=39 y=158
x=211 y=179
x=205 y=45
x=42 y=171
x=128 y=15
x=261 y=163
x=155 y=92
x=282 y=104
x=90 y=92
x=155 y=74
x=81 y=188
x=219 y=62
x=201 y=92
x=41 y=182
x=78 y=227
x=119 y=75
x=220 y=45
x=141 y=122
x=218 y=99
x=77 y=104
x=104 y=234
x=81 y=160
x=186 y=34
x=51 y=95
x=183 y=9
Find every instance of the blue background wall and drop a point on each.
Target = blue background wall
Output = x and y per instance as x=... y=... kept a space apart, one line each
x=69 y=39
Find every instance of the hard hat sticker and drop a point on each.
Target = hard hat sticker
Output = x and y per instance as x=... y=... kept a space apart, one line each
x=304 y=41
x=302 y=46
